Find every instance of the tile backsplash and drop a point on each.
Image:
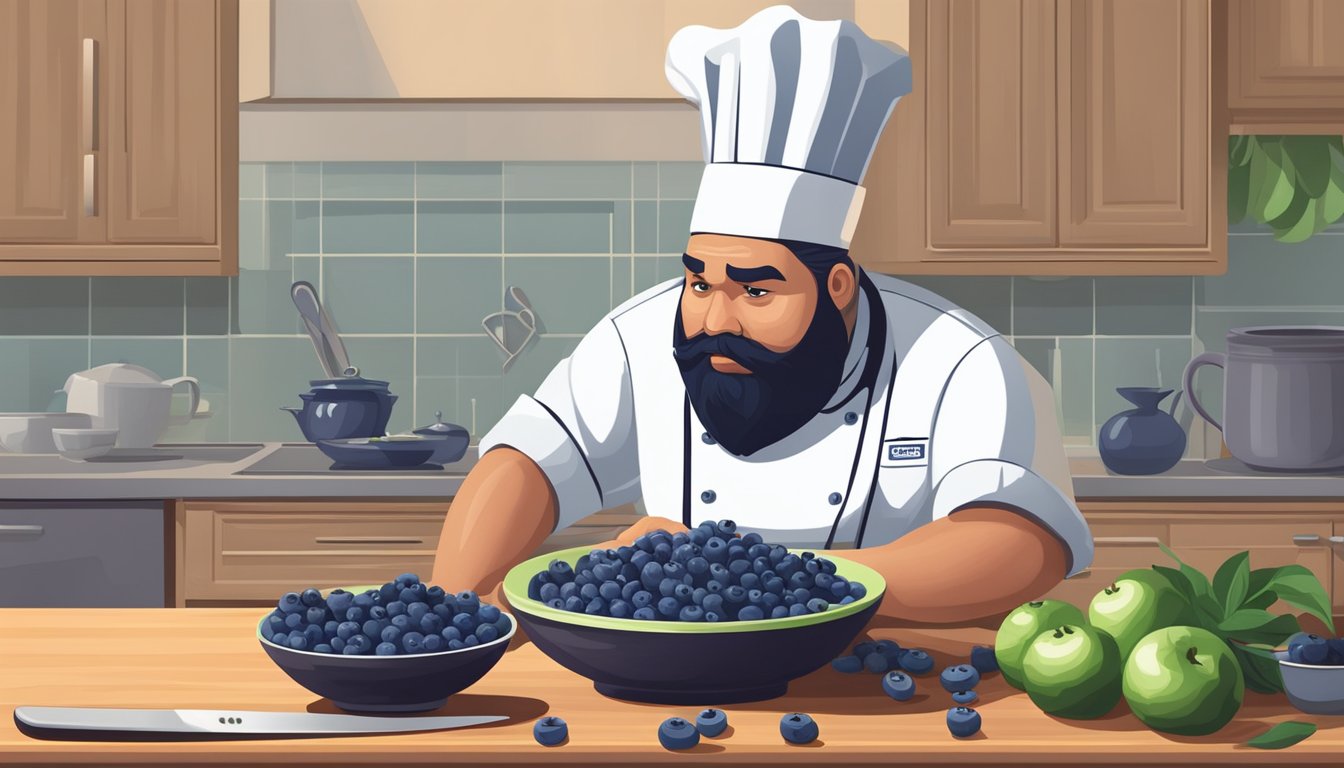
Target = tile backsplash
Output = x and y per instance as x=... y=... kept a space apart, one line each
x=409 y=257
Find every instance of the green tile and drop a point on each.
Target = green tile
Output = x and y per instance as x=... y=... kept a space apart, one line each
x=1038 y=352
x=260 y=303
x=670 y=267
x=1135 y=363
x=370 y=294
x=367 y=227
x=490 y=405
x=279 y=181
x=557 y=227
x=648 y=271
x=207 y=362
x=437 y=394
x=679 y=180
x=569 y=294
x=251 y=234
x=1211 y=326
x=1262 y=272
x=458 y=227
x=674 y=225
x=251 y=178
x=137 y=306
x=307 y=180
x=1074 y=390
x=988 y=298
x=622 y=284
x=266 y=374
x=1143 y=305
x=44 y=306
x=1052 y=307
x=621 y=223
x=534 y=364
x=308 y=268
x=291 y=227
x=645 y=180
x=646 y=227
x=35 y=369
x=390 y=360
x=162 y=356
x=459 y=180
x=560 y=180
x=453 y=293
x=458 y=356
x=207 y=306
x=363 y=181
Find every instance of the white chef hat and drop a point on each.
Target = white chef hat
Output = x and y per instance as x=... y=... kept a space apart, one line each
x=791 y=109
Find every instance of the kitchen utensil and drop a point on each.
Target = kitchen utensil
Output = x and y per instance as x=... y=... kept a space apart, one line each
x=1144 y=440
x=357 y=414
x=1314 y=689
x=450 y=439
x=514 y=328
x=402 y=683
x=130 y=399
x=330 y=349
x=380 y=453
x=1283 y=401
x=84 y=443
x=690 y=663
x=31 y=432
x=229 y=722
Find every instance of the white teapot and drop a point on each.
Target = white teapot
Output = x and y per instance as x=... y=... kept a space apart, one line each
x=130 y=399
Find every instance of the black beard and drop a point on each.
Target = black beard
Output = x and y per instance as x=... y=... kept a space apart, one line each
x=746 y=412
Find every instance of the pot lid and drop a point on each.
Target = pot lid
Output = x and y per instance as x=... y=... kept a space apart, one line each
x=121 y=373
x=354 y=382
x=440 y=427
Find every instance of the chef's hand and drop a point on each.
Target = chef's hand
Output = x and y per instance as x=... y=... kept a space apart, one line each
x=645 y=525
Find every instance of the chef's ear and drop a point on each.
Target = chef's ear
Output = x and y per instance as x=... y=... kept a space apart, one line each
x=842 y=286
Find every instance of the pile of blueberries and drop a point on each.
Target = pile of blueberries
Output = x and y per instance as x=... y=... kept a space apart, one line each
x=678 y=733
x=897 y=664
x=1307 y=648
x=402 y=617
x=708 y=574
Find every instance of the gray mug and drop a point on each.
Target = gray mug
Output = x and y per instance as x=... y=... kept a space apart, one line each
x=1283 y=396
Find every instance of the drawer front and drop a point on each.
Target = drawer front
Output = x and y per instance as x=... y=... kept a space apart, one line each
x=1117 y=547
x=75 y=555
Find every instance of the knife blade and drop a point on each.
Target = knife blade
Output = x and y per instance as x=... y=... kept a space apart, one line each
x=232 y=722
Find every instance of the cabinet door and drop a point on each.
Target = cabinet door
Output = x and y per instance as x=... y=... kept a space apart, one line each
x=990 y=123
x=1119 y=545
x=1134 y=115
x=164 y=122
x=1286 y=53
x=47 y=126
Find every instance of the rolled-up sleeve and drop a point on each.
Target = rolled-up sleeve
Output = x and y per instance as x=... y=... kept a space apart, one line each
x=997 y=441
x=579 y=428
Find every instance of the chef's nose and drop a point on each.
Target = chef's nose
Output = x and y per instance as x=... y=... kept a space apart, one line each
x=720 y=317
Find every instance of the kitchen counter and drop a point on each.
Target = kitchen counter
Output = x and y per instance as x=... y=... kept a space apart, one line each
x=209 y=659
x=1197 y=479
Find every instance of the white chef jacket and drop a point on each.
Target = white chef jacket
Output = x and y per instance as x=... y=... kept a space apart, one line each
x=935 y=412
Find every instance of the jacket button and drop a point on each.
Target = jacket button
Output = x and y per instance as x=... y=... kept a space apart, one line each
x=706 y=439
x=708 y=497
x=851 y=418
x=834 y=498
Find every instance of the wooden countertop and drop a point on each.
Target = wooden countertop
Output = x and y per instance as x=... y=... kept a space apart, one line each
x=208 y=658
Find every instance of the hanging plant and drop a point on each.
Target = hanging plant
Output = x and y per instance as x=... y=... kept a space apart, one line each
x=1294 y=184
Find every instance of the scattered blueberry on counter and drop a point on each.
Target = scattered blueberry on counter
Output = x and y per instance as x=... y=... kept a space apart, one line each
x=984 y=660
x=677 y=733
x=965 y=697
x=550 y=731
x=898 y=686
x=917 y=662
x=798 y=728
x=848 y=664
x=711 y=722
x=963 y=721
x=959 y=678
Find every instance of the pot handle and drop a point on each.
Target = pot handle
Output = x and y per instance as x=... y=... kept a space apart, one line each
x=1208 y=358
x=194 y=389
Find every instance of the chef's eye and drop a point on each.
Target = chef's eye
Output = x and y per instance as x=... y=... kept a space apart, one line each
x=754 y=292
x=700 y=286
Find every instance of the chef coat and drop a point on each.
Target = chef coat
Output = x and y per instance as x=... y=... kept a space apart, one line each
x=935 y=411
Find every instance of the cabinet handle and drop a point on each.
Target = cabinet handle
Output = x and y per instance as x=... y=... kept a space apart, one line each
x=365 y=540
x=1306 y=538
x=89 y=127
x=21 y=530
x=1128 y=541
x=90 y=193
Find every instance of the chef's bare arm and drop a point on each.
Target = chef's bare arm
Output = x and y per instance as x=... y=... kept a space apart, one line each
x=502 y=513
x=977 y=562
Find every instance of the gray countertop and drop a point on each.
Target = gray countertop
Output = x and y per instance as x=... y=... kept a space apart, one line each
x=299 y=470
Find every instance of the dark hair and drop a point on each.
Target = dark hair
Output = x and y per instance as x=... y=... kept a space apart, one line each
x=819 y=258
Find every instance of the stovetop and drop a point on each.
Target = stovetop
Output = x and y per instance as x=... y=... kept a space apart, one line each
x=306 y=459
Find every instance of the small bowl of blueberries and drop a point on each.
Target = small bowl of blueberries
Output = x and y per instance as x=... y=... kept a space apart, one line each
x=1313 y=673
x=712 y=616
x=403 y=646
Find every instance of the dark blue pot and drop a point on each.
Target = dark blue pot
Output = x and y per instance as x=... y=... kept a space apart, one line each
x=1144 y=440
x=353 y=414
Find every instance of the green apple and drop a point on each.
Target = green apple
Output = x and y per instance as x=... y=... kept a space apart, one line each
x=1183 y=680
x=1139 y=602
x=1073 y=671
x=1022 y=626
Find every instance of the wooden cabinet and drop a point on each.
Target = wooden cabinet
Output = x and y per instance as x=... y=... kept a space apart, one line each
x=1053 y=137
x=121 y=150
x=1285 y=67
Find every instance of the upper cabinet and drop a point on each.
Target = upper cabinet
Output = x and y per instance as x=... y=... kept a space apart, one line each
x=119 y=137
x=1053 y=137
x=1285 y=66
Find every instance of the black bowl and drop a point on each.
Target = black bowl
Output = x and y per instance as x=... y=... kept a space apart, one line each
x=403 y=683
x=374 y=453
x=696 y=664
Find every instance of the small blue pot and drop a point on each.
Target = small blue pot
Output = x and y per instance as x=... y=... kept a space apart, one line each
x=1144 y=440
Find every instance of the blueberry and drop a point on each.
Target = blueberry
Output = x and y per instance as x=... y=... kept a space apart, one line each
x=645 y=614
x=698 y=595
x=630 y=588
x=984 y=660
x=797 y=609
x=719 y=572
x=604 y=572
x=1336 y=651
x=378 y=613
x=640 y=559
x=609 y=591
x=412 y=594
x=535 y=584
x=371 y=628
x=779 y=611
x=434 y=595
x=433 y=643
x=713 y=587
x=298 y=641
x=917 y=662
x=864 y=648
x=322 y=648
x=456 y=645
x=388 y=592
x=550 y=731
x=691 y=613
x=800 y=580
x=715 y=550
x=755 y=596
x=1314 y=648
x=959 y=678
x=280 y=638
x=891 y=650
x=390 y=635
x=677 y=733
x=417 y=610
x=546 y=594
x=734 y=595
x=407 y=579
x=683 y=593
x=451 y=633
x=667 y=587
x=823 y=581
x=777 y=554
x=713 y=603
x=310 y=597
x=674 y=571
x=569 y=590
x=355 y=613
x=711 y=722
x=756 y=550
x=642 y=599
x=471 y=640
x=313 y=633
x=846 y=600
x=965 y=697
x=595 y=607
x=364 y=600
x=402 y=622
x=848 y=664
x=643 y=544
x=465 y=623
x=625 y=553
x=396 y=608
x=774 y=585
x=503 y=626
x=488 y=614
x=759 y=565
x=680 y=538
x=357 y=646
x=726 y=528
x=487 y=633
x=290 y=602
x=683 y=553
x=651 y=576
x=619 y=609
x=750 y=613
x=898 y=686
x=560 y=571
x=386 y=649
x=817 y=605
x=669 y=608
x=963 y=721
x=857 y=590
x=662 y=552
x=337 y=645
x=588 y=592
x=839 y=588
x=749 y=581
x=468 y=601
x=697 y=566
x=738 y=552
x=801 y=596
x=339 y=600
x=294 y=621
x=557 y=604
x=797 y=728
x=876 y=663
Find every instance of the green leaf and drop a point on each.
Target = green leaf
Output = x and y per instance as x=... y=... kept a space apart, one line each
x=1238 y=192
x=1198 y=592
x=1280 y=197
x=1239 y=150
x=1272 y=633
x=1303 y=227
x=1283 y=735
x=1300 y=588
x=1333 y=199
x=1245 y=619
x=1264 y=173
x=1261 y=672
x=1311 y=160
x=1231 y=582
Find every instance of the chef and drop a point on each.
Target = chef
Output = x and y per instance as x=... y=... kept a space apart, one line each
x=778 y=385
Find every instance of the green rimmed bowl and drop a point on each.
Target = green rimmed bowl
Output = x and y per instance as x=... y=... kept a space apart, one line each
x=669 y=662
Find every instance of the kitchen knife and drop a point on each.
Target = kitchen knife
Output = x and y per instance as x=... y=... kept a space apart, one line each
x=137 y=723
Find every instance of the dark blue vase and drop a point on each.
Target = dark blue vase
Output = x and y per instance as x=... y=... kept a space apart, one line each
x=1145 y=440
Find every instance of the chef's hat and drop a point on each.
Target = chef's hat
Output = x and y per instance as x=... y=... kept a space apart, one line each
x=791 y=109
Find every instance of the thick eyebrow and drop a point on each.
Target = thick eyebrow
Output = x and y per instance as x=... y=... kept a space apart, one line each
x=693 y=264
x=753 y=274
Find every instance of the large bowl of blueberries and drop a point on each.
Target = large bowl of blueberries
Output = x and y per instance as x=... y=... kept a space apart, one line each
x=707 y=617
x=403 y=646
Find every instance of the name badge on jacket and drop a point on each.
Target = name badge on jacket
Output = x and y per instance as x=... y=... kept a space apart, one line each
x=905 y=452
